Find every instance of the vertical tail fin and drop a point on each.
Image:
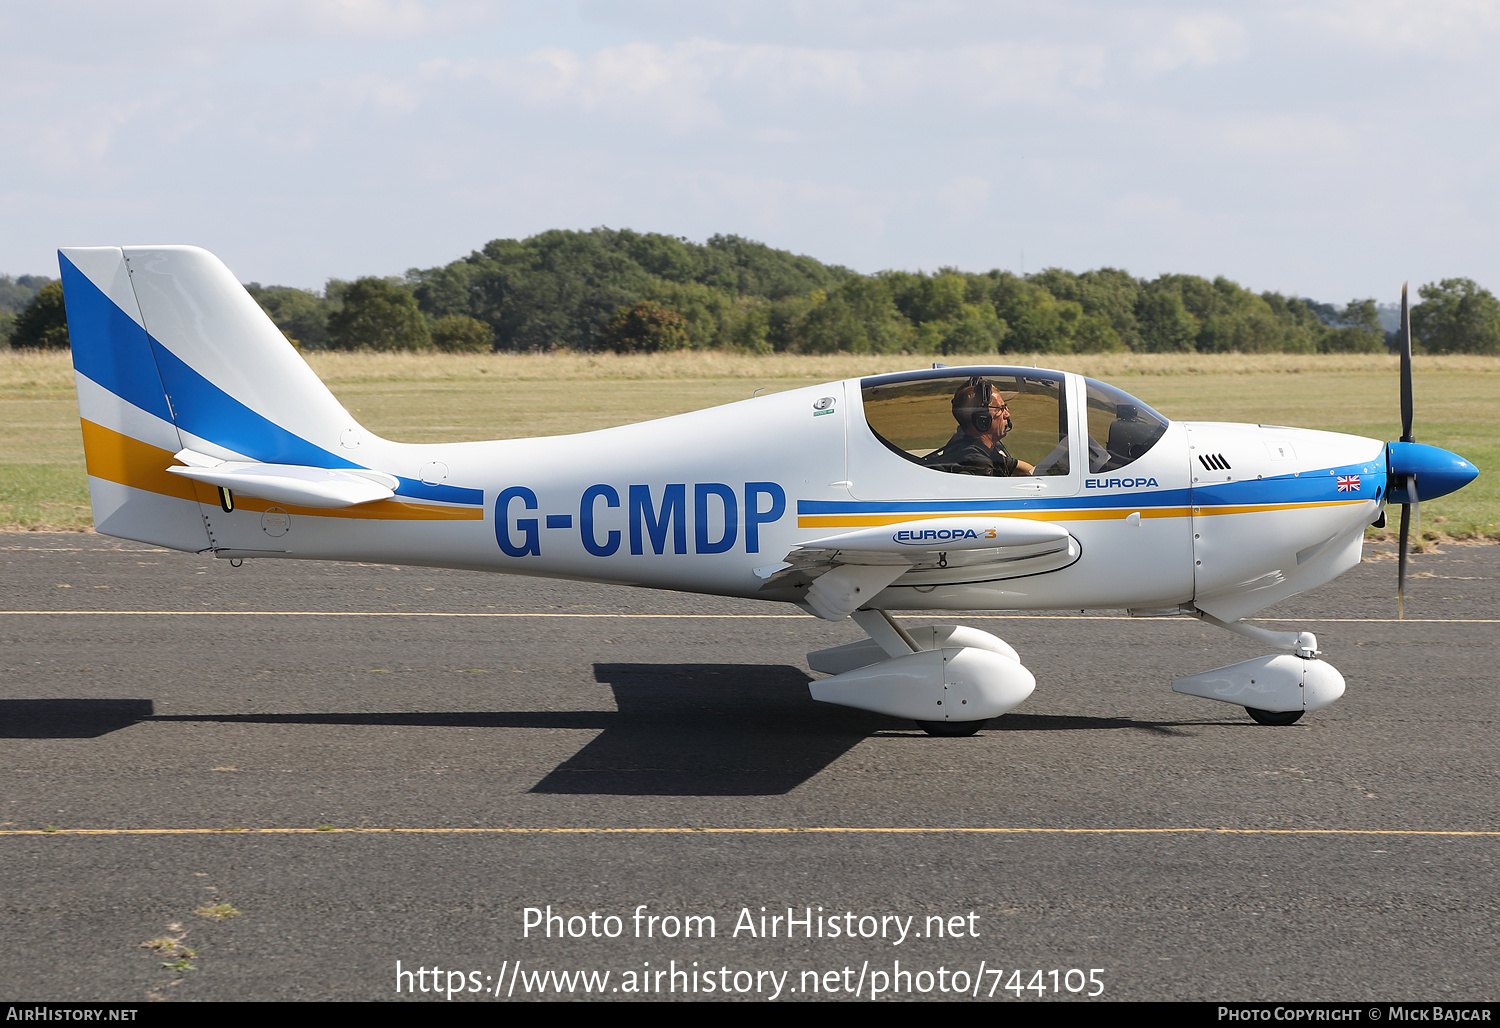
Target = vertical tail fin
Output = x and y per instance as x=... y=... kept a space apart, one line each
x=170 y=352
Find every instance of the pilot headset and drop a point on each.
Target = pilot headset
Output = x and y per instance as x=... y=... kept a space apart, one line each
x=979 y=415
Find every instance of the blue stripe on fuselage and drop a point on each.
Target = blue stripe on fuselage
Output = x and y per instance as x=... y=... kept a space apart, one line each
x=1160 y=498
x=1306 y=487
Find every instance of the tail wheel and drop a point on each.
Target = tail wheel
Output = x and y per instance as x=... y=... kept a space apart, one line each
x=953 y=729
x=1274 y=717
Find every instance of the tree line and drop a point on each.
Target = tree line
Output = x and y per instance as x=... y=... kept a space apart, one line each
x=615 y=289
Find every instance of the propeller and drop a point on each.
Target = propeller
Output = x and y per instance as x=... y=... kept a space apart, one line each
x=1440 y=471
x=1410 y=490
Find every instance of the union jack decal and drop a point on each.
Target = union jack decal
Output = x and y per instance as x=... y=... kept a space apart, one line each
x=1348 y=483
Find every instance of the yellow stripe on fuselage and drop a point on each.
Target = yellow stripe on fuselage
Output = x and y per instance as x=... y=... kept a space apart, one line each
x=116 y=457
x=120 y=458
x=1258 y=508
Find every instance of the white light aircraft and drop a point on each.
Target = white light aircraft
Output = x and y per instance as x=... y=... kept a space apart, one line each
x=204 y=431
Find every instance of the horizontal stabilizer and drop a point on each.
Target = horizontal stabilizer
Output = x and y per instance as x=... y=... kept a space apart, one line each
x=289 y=483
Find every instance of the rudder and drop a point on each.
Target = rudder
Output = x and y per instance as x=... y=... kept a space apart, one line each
x=171 y=353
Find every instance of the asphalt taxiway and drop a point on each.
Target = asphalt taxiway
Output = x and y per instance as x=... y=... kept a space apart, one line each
x=179 y=734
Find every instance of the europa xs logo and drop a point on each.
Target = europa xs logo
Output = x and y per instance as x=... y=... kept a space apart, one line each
x=1119 y=483
x=927 y=535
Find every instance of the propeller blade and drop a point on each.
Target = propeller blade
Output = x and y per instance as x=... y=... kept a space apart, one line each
x=1405 y=342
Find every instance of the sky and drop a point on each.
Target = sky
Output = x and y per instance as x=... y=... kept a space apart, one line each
x=1325 y=149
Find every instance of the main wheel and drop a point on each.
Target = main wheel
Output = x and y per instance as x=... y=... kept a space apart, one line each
x=1274 y=717
x=951 y=728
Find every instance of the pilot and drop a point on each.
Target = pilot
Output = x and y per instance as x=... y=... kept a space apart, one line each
x=975 y=449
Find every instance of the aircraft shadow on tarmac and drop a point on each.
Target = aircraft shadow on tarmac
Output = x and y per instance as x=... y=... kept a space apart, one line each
x=69 y=719
x=709 y=730
x=680 y=729
x=735 y=730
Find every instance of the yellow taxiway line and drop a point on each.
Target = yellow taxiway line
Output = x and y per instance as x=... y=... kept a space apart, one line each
x=751 y=831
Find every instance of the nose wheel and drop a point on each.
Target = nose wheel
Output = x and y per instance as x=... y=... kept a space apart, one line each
x=953 y=729
x=1274 y=717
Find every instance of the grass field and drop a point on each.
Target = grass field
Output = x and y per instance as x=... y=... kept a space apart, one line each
x=436 y=398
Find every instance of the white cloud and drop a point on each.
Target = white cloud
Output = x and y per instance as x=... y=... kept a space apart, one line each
x=655 y=88
x=693 y=85
x=1452 y=28
x=1197 y=40
x=779 y=205
x=964 y=197
x=1286 y=136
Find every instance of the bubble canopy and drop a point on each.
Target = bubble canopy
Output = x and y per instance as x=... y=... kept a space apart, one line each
x=926 y=416
x=929 y=416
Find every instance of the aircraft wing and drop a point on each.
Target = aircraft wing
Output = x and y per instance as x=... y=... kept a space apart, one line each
x=845 y=571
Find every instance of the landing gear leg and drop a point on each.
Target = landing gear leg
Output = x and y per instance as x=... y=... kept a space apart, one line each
x=959 y=674
x=891 y=637
x=1279 y=688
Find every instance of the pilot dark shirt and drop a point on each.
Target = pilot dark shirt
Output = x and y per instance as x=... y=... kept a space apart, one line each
x=966 y=455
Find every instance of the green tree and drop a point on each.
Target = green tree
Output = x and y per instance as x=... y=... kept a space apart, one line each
x=43 y=325
x=1302 y=327
x=459 y=333
x=1358 y=330
x=786 y=317
x=1039 y=322
x=857 y=317
x=1362 y=314
x=1107 y=293
x=1457 y=315
x=973 y=328
x=1092 y=333
x=659 y=255
x=560 y=288
x=16 y=293
x=555 y=289
x=751 y=331
x=302 y=316
x=377 y=315
x=923 y=298
x=1166 y=325
x=749 y=268
x=1350 y=340
x=645 y=327
x=1237 y=321
x=1229 y=318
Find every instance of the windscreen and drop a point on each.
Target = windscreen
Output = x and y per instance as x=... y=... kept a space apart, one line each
x=1121 y=428
x=940 y=421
